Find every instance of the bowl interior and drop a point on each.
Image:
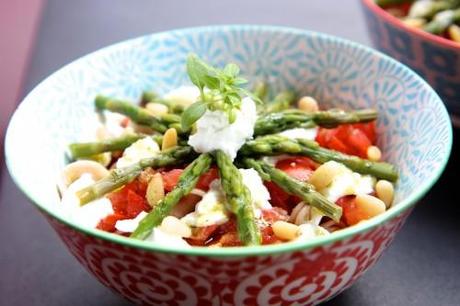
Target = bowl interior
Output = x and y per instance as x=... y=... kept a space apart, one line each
x=414 y=128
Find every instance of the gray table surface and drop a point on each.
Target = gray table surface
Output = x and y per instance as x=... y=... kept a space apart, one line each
x=421 y=267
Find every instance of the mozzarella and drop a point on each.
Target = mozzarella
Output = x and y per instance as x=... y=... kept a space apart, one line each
x=308 y=231
x=420 y=8
x=259 y=193
x=214 y=132
x=143 y=148
x=347 y=182
x=90 y=214
x=129 y=225
x=300 y=133
x=161 y=237
x=210 y=210
x=184 y=95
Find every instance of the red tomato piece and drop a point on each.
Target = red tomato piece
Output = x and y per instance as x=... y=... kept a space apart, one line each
x=170 y=178
x=274 y=214
x=268 y=236
x=108 y=223
x=186 y=205
x=207 y=178
x=202 y=234
x=369 y=129
x=359 y=141
x=298 y=167
x=135 y=205
x=351 y=213
x=278 y=197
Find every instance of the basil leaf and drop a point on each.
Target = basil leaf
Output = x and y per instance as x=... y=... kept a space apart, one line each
x=211 y=82
x=232 y=70
x=197 y=70
x=192 y=114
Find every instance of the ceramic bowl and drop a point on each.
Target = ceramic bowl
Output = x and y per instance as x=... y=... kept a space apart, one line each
x=413 y=128
x=434 y=58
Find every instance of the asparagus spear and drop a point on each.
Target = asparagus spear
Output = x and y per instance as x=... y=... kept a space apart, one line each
x=277 y=122
x=442 y=21
x=281 y=102
x=87 y=149
x=186 y=183
x=238 y=199
x=150 y=96
x=138 y=114
x=301 y=189
x=276 y=144
x=120 y=177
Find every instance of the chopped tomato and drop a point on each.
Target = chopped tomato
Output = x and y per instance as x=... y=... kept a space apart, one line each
x=298 y=167
x=278 y=197
x=108 y=223
x=170 y=178
x=207 y=178
x=201 y=235
x=268 y=236
x=274 y=214
x=135 y=204
x=353 y=139
x=186 y=205
x=369 y=129
x=351 y=213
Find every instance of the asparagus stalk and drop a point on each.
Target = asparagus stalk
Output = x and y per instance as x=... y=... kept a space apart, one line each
x=281 y=102
x=238 y=199
x=120 y=177
x=442 y=21
x=150 y=96
x=87 y=149
x=138 y=114
x=276 y=144
x=186 y=183
x=277 y=122
x=292 y=186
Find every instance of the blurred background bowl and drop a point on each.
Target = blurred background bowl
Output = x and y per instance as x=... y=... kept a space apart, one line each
x=413 y=127
x=434 y=58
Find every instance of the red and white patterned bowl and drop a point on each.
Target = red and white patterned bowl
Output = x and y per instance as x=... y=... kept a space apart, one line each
x=414 y=133
x=435 y=58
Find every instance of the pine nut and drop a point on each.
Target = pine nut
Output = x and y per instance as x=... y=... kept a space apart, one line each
x=285 y=230
x=385 y=191
x=324 y=174
x=174 y=226
x=155 y=190
x=156 y=109
x=454 y=32
x=308 y=104
x=369 y=206
x=414 y=22
x=374 y=153
x=169 y=139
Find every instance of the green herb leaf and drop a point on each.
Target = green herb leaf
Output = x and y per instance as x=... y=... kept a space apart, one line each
x=198 y=71
x=192 y=114
x=231 y=70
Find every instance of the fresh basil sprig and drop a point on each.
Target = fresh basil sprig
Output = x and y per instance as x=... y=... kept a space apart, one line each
x=224 y=90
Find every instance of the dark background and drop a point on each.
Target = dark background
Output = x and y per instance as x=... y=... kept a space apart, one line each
x=421 y=267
